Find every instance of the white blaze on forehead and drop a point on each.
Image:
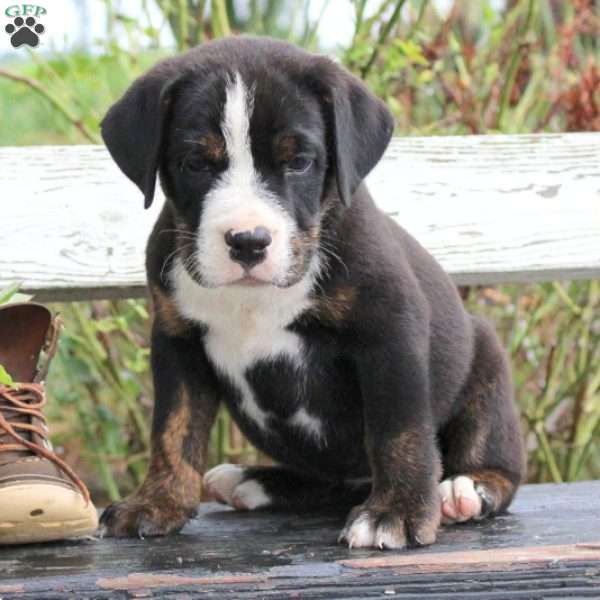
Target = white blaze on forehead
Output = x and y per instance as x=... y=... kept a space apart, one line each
x=236 y=127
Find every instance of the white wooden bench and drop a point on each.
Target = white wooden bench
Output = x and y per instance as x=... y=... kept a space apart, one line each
x=491 y=208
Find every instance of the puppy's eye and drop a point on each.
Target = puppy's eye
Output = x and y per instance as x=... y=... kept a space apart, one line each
x=194 y=164
x=299 y=164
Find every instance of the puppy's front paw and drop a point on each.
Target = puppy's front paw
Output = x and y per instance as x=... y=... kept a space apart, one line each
x=386 y=529
x=228 y=484
x=135 y=518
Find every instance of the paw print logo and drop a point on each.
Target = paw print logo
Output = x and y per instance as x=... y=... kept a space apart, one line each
x=24 y=31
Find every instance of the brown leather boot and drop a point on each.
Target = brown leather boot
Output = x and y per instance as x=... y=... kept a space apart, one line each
x=41 y=498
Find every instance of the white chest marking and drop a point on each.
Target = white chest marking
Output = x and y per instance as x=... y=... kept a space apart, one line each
x=245 y=325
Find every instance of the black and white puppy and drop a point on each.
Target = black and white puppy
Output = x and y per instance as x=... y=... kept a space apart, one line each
x=337 y=342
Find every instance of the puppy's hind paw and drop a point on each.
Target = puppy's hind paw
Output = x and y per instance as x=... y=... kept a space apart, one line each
x=460 y=500
x=228 y=484
x=221 y=481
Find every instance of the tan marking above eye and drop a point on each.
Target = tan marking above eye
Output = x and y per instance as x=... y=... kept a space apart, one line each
x=286 y=148
x=213 y=146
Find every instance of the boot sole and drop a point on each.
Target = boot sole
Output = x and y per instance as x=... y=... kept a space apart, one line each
x=41 y=512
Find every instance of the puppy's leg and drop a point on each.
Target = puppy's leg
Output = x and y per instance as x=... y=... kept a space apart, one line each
x=403 y=507
x=184 y=411
x=482 y=446
x=279 y=488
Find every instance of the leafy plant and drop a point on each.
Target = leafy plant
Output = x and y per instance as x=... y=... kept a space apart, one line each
x=5 y=377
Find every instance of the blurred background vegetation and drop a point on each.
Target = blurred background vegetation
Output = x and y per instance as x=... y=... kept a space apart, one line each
x=444 y=68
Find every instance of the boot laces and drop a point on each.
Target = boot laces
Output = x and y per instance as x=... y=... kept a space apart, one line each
x=25 y=401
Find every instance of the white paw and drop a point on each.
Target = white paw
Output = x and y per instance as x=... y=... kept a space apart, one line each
x=225 y=483
x=222 y=480
x=361 y=533
x=250 y=495
x=460 y=500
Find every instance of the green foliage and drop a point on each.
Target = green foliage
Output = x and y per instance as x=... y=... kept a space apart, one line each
x=11 y=295
x=533 y=66
x=100 y=380
x=75 y=91
x=530 y=66
x=552 y=332
x=5 y=378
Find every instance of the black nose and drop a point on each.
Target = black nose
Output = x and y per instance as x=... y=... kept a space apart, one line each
x=248 y=247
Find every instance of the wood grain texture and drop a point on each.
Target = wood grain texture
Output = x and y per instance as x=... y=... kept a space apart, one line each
x=546 y=547
x=498 y=559
x=490 y=208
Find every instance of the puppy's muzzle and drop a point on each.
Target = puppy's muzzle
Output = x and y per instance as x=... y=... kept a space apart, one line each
x=248 y=248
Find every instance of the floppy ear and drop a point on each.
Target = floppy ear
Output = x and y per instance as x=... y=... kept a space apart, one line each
x=359 y=126
x=134 y=126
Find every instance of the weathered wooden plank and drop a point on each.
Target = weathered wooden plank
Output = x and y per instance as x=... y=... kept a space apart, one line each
x=546 y=547
x=563 y=580
x=500 y=559
x=490 y=208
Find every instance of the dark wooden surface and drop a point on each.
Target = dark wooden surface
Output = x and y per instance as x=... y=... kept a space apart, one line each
x=547 y=547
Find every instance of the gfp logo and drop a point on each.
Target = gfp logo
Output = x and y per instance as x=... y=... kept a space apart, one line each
x=24 y=28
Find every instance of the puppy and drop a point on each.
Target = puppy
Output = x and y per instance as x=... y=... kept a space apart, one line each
x=338 y=344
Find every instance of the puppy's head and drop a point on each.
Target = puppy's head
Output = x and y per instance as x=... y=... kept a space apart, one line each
x=253 y=140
